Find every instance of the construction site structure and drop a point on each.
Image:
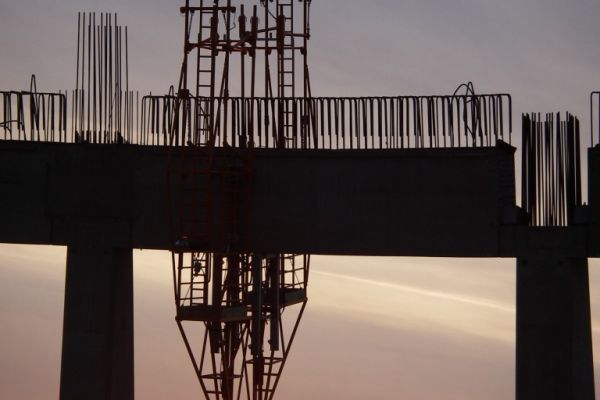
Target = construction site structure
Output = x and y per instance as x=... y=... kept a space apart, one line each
x=226 y=172
x=240 y=298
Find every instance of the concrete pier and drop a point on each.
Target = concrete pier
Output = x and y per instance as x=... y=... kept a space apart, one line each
x=554 y=358
x=97 y=354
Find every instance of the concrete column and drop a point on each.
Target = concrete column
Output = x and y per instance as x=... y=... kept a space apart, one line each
x=554 y=345
x=97 y=352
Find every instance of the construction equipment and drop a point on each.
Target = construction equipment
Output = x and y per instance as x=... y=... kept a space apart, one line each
x=233 y=293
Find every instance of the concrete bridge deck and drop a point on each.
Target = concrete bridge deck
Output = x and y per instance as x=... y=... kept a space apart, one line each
x=414 y=202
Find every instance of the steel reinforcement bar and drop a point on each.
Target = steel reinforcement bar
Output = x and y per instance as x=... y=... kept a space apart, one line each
x=551 y=169
x=595 y=118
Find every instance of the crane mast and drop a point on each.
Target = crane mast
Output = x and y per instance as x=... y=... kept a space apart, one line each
x=231 y=301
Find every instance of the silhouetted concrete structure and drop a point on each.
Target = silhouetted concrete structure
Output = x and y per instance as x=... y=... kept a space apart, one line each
x=101 y=201
x=240 y=185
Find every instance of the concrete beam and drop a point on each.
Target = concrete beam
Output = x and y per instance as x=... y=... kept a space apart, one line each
x=558 y=242
x=426 y=202
x=443 y=202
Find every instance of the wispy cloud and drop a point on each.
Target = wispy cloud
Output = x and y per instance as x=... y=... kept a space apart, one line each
x=474 y=301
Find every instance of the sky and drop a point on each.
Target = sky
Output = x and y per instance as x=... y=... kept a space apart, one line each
x=382 y=328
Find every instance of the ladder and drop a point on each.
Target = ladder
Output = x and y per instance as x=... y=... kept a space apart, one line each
x=286 y=70
x=191 y=217
x=286 y=52
x=203 y=224
x=293 y=272
x=199 y=277
x=193 y=277
x=208 y=39
x=266 y=378
x=194 y=204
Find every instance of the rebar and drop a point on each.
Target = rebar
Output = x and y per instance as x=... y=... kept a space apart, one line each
x=551 y=169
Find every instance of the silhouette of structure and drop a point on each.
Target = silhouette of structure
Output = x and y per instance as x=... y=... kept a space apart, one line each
x=254 y=174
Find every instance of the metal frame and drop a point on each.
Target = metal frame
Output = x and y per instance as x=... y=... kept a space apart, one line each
x=234 y=295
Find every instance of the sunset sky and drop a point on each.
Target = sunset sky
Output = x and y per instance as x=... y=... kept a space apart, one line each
x=375 y=328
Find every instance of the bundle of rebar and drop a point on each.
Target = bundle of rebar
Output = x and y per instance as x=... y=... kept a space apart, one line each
x=551 y=170
x=103 y=106
x=595 y=118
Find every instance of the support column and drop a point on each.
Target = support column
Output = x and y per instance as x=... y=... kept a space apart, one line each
x=97 y=352
x=554 y=344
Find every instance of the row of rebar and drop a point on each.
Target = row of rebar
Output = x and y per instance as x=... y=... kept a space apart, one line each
x=33 y=115
x=333 y=123
x=43 y=117
x=551 y=169
x=315 y=123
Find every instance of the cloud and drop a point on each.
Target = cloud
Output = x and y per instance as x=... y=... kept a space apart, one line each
x=469 y=300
